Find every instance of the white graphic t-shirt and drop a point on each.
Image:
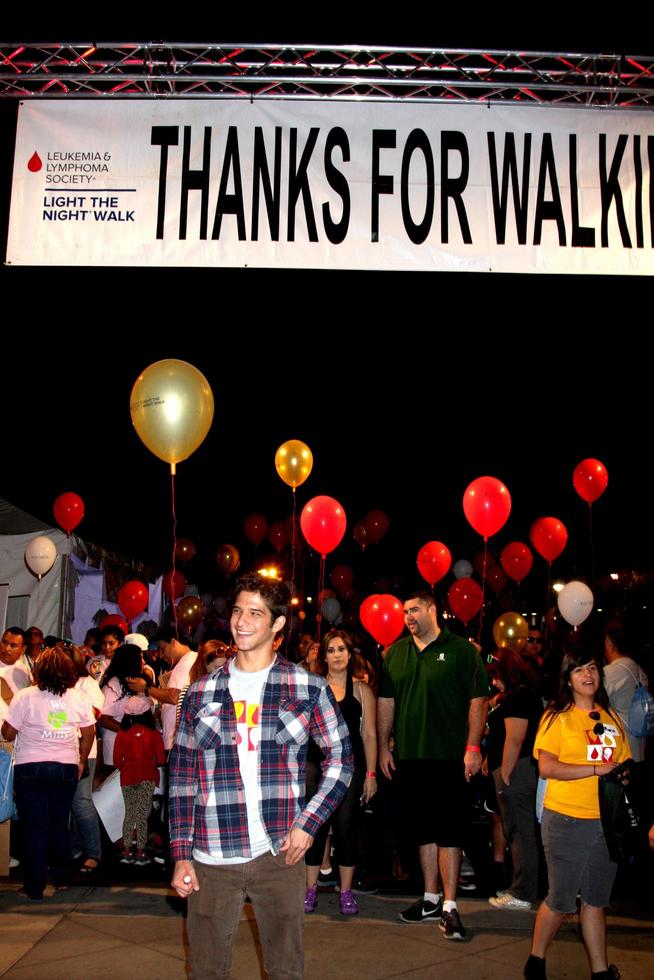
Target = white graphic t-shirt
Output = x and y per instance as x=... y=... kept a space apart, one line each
x=246 y=689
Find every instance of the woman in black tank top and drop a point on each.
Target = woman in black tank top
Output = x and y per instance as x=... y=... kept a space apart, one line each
x=358 y=707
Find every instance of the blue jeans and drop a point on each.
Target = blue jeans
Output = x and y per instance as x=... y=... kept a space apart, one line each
x=84 y=823
x=44 y=793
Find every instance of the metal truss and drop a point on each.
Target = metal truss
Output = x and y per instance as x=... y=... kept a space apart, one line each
x=349 y=72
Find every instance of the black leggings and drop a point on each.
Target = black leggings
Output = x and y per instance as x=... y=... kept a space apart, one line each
x=344 y=822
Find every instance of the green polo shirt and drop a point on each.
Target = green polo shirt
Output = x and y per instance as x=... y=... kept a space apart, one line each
x=432 y=690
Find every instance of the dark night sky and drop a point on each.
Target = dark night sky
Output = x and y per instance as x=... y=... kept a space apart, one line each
x=406 y=387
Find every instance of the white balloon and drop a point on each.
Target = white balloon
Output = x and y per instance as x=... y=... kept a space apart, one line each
x=331 y=609
x=462 y=568
x=40 y=555
x=575 y=602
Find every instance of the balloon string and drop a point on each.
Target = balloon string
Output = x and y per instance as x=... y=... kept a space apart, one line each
x=293 y=546
x=549 y=586
x=483 y=590
x=592 y=543
x=172 y=498
x=321 y=589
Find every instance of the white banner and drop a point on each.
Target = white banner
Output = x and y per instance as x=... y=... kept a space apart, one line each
x=333 y=185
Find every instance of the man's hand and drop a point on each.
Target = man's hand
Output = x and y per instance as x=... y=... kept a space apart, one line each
x=184 y=881
x=471 y=764
x=386 y=761
x=137 y=685
x=296 y=843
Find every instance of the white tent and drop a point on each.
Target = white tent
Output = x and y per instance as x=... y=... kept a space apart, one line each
x=68 y=598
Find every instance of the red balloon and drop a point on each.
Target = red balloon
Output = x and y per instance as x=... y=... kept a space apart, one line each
x=133 y=599
x=465 y=598
x=68 y=511
x=341 y=577
x=256 y=528
x=376 y=525
x=173 y=585
x=478 y=562
x=496 y=579
x=323 y=524
x=517 y=560
x=364 y=609
x=383 y=617
x=360 y=535
x=487 y=505
x=434 y=560
x=184 y=549
x=114 y=620
x=590 y=479
x=549 y=537
x=278 y=535
x=228 y=559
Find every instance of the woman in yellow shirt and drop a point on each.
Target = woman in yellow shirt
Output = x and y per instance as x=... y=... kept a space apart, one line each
x=579 y=740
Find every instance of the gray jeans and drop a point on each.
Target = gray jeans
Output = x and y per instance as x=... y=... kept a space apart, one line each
x=518 y=810
x=276 y=892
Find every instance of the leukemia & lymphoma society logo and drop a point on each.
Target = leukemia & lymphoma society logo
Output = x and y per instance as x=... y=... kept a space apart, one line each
x=67 y=167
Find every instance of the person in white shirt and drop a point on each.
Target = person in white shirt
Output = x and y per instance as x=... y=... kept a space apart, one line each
x=175 y=648
x=621 y=677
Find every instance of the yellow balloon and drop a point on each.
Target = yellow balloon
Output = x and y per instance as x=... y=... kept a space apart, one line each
x=510 y=631
x=172 y=409
x=294 y=462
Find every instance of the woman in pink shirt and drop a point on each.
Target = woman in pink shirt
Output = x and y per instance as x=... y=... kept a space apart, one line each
x=56 y=726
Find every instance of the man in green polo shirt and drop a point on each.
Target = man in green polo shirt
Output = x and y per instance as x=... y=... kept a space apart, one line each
x=433 y=696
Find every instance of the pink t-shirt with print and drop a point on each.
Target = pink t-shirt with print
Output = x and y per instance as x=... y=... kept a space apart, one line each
x=48 y=725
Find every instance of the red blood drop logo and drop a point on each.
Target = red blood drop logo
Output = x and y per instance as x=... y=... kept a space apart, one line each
x=34 y=163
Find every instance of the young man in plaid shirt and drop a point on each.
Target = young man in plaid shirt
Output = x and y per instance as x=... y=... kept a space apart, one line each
x=238 y=821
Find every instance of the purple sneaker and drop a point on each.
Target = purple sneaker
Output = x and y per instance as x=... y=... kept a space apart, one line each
x=310 y=899
x=348 y=904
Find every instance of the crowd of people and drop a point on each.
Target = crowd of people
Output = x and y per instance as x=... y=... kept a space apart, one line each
x=359 y=761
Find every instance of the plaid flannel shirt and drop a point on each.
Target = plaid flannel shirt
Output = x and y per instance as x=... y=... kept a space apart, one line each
x=207 y=796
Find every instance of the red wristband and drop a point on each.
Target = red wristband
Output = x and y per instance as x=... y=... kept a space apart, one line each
x=371 y=775
x=472 y=748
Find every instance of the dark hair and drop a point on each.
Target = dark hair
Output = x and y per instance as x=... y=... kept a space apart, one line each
x=422 y=595
x=168 y=633
x=512 y=669
x=126 y=662
x=321 y=659
x=616 y=635
x=92 y=635
x=574 y=657
x=112 y=631
x=54 y=671
x=146 y=719
x=274 y=593
x=17 y=631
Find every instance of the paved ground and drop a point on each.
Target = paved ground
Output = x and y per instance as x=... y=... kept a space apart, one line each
x=134 y=929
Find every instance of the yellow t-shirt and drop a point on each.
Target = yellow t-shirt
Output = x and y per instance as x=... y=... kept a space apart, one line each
x=571 y=739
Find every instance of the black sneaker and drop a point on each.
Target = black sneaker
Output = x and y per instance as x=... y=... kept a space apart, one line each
x=422 y=911
x=450 y=925
x=362 y=887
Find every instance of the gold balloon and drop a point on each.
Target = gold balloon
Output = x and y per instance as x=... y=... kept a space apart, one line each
x=172 y=409
x=190 y=611
x=228 y=558
x=294 y=462
x=510 y=631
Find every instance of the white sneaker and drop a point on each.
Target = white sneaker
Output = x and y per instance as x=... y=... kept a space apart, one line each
x=504 y=900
